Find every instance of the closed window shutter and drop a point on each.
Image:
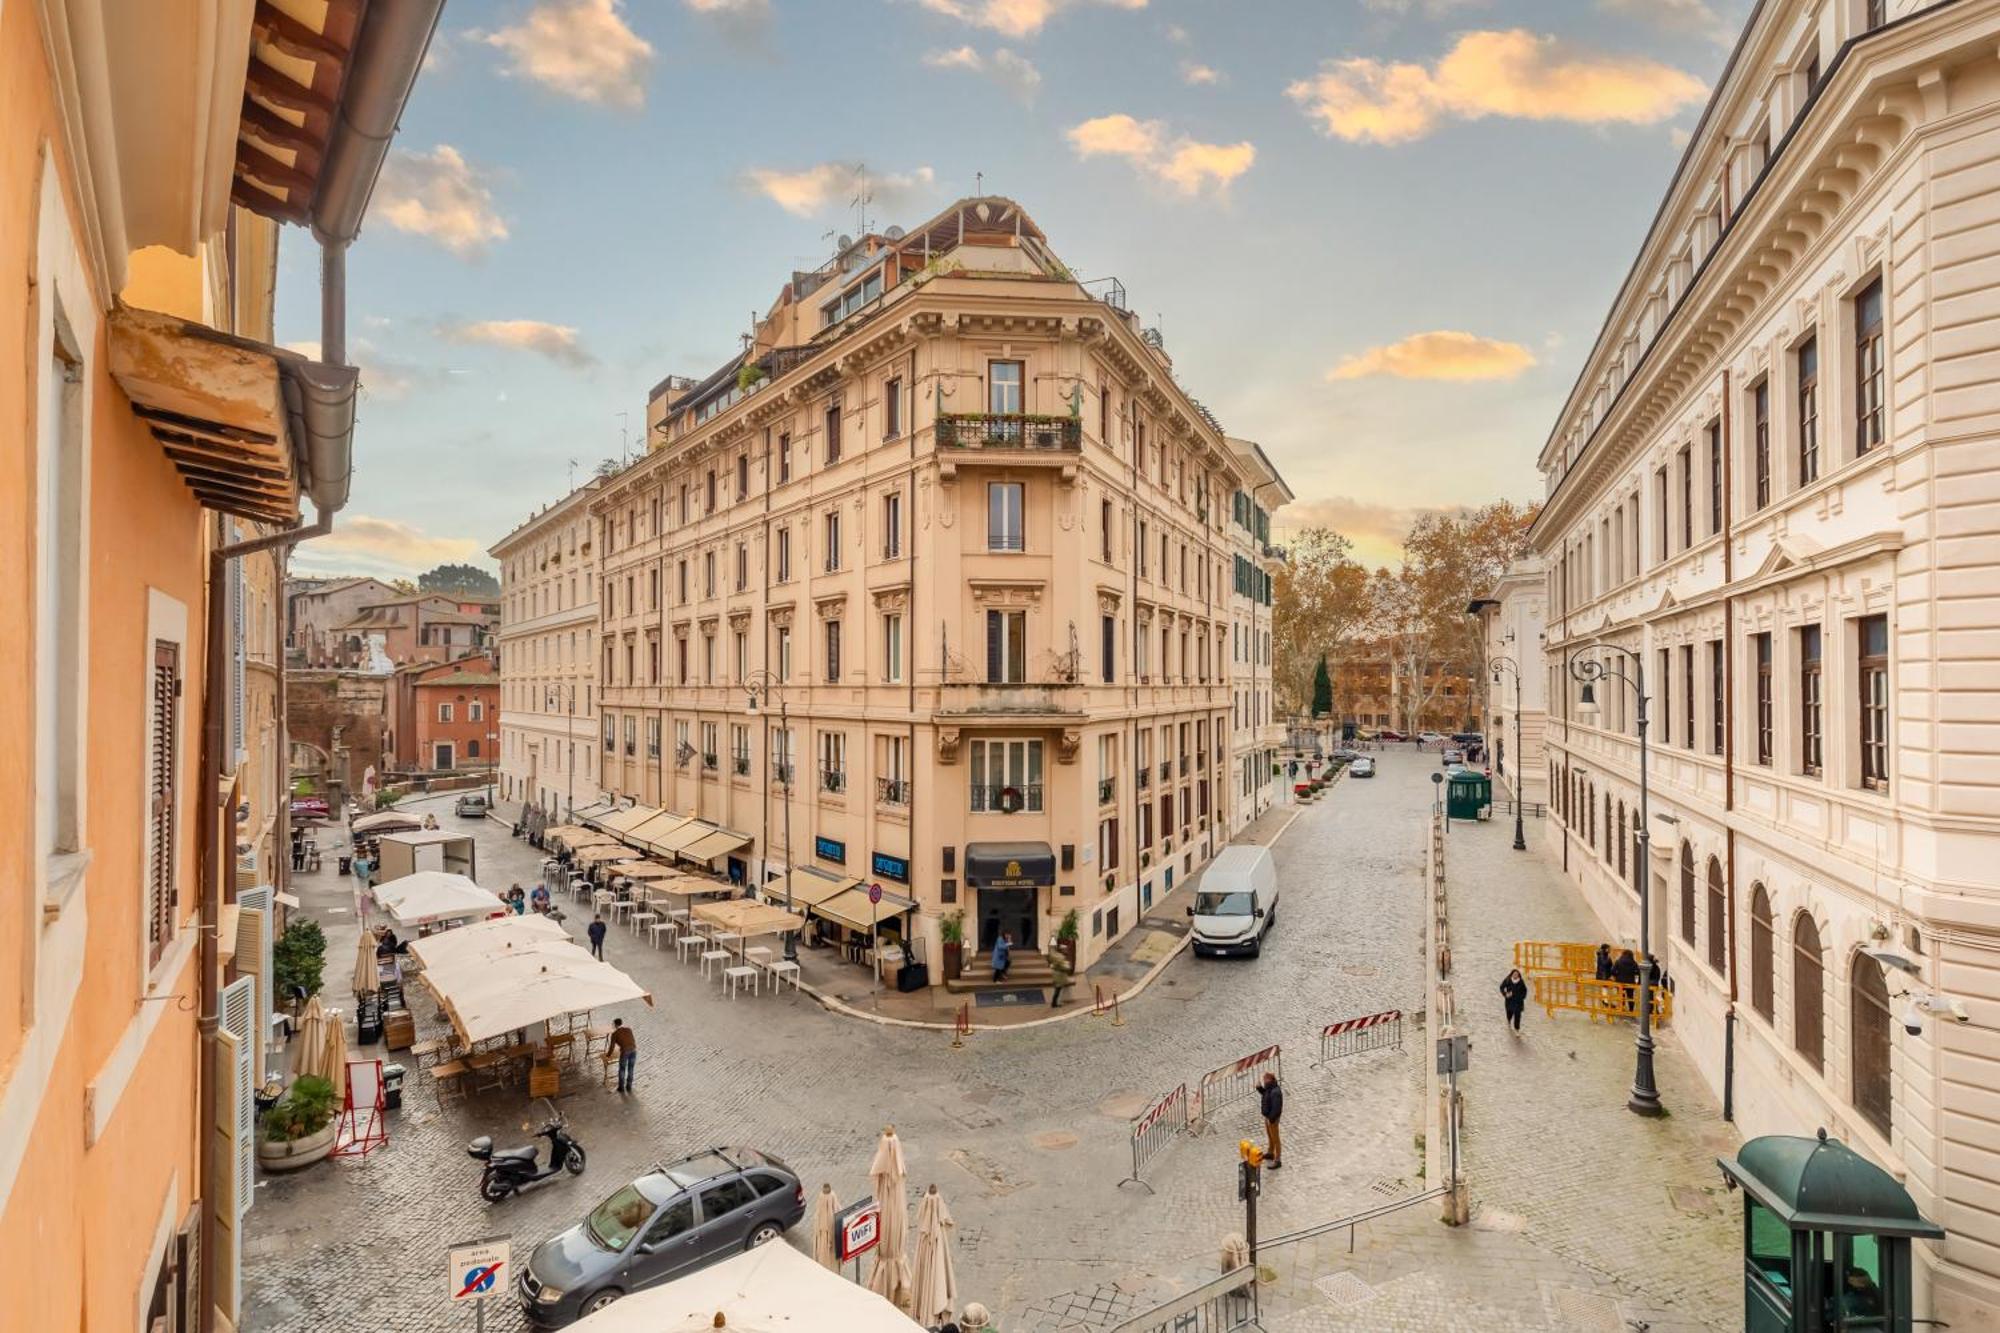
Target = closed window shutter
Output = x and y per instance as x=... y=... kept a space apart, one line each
x=253 y=959
x=994 y=663
x=231 y=1189
x=162 y=893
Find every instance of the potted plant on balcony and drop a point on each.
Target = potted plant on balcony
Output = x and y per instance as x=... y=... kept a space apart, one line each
x=951 y=930
x=1066 y=937
x=299 y=1130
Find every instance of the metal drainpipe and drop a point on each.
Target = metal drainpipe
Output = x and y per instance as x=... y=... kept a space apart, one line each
x=1728 y=761
x=909 y=650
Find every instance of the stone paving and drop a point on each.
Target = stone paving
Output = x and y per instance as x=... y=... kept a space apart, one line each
x=1026 y=1131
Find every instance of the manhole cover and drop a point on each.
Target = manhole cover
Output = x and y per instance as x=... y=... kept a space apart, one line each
x=1123 y=1105
x=1388 y=1189
x=1344 y=1290
x=1584 y=1311
x=1055 y=1140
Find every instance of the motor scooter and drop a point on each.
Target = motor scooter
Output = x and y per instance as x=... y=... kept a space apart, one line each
x=511 y=1169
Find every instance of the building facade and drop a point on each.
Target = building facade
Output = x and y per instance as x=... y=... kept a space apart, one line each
x=955 y=527
x=1770 y=497
x=1514 y=618
x=1376 y=686
x=448 y=716
x=548 y=657
x=314 y=606
x=419 y=627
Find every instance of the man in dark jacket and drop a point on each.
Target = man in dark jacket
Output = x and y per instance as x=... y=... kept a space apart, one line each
x=596 y=933
x=1604 y=962
x=1271 y=1102
x=1626 y=973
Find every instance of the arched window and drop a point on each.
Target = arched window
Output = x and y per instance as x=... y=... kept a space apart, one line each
x=1619 y=833
x=1761 y=959
x=1718 y=918
x=1808 y=993
x=1687 y=894
x=1869 y=1004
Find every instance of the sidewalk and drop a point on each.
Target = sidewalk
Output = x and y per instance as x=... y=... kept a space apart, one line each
x=1584 y=1216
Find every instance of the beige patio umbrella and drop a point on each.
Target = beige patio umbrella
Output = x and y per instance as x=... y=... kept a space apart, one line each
x=367 y=977
x=890 y=1276
x=309 y=1045
x=825 y=1252
x=933 y=1285
x=333 y=1056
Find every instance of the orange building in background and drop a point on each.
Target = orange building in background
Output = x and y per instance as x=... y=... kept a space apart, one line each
x=448 y=715
x=161 y=448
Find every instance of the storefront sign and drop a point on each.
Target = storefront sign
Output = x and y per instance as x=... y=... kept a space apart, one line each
x=890 y=867
x=857 y=1229
x=830 y=849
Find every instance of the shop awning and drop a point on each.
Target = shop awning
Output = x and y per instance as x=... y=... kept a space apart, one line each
x=711 y=845
x=1009 y=865
x=853 y=910
x=686 y=836
x=624 y=821
x=642 y=870
x=806 y=885
x=748 y=917
x=593 y=810
x=659 y=826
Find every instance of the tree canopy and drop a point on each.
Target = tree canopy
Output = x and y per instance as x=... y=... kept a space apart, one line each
x=469 y=580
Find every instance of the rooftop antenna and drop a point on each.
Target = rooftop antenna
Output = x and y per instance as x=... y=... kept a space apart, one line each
x=572 y=474
x=624 y=438
x=862 y=198
x=979 y=185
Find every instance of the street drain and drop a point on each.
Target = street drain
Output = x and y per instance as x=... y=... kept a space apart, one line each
x=1584 y=1311
x=1388 y=1189
x=1344 y=1290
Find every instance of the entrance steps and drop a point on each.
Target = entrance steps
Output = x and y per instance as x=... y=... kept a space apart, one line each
x=1026 y=971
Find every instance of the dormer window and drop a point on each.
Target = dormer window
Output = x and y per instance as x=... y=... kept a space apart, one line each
x=852 y=300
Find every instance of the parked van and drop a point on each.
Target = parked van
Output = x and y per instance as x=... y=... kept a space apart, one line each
x=1235 y=901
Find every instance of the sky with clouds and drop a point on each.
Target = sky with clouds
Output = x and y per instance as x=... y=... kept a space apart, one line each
x=1379 y=235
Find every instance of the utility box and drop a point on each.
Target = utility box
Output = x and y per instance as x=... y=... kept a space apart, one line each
x=1826 y=1238
x=400 y=854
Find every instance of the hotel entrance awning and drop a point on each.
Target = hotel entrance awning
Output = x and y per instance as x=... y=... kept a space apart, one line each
x=1009 y=865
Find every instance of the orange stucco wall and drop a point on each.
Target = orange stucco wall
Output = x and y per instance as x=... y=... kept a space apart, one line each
x=78 y=1221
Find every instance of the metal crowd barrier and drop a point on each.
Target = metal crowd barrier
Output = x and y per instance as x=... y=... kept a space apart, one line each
x=1533 y=956
x=1352 y=1036
x=1155 y=1131
x=1234 y=1082
x=1222 y=1306
x=1599 y=999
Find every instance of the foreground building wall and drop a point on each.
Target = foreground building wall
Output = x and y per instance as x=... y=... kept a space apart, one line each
x=1774 y=484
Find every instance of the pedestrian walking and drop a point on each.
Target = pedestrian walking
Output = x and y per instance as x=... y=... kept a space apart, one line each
x=1271 y=1103
x=1003 y=955
x=596 y=933
x=1625 y=971
x=1604 y=962
x=1059 y=965
x=627 y=1046
x=517 y=899
x=1514 y=993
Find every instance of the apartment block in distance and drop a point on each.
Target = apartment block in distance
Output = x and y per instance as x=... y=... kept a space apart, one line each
x=548 y=657
x=997 y=584
x=1772 y=491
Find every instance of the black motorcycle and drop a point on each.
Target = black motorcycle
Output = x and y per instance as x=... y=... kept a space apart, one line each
x=511 y=1169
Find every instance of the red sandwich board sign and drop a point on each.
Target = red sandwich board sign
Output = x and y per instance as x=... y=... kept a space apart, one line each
x=857 y=1229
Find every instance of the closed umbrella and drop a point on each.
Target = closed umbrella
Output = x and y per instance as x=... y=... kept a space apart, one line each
x=309 y=1052
x=933 y=1285
x=890 y=1276
x=367 y=975
x=334 y=1056
x=825 y=1252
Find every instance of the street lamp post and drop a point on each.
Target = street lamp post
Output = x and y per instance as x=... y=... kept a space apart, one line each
x=763 y=683
x=567 y=691
x=1645 y=1098
x=1508 y=664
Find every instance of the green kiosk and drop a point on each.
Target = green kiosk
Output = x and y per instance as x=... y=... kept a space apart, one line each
x=1468 y=794
x=1826 y=1238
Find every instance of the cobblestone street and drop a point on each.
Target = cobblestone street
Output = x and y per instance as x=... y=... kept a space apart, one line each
x=1025 y=1131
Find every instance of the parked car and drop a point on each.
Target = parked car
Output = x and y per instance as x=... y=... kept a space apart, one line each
x=1389 y=734
x=310 y=807
x=1236 y=902
x=1429 y=737
x=471 y=806
x=1364 y=767
x=666 y=1224
x=1453 y=755
x=1471 y=740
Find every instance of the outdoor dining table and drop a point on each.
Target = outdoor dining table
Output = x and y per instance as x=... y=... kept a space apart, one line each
x=782 y=970
x=689 y=942
x=734 y=979
x=659 y=928
x=714 y=958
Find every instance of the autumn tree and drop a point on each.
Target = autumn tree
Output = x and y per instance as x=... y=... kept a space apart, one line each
x=1449 y=559
x=1321 y=603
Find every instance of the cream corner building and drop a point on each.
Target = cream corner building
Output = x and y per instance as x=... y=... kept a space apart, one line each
x=1774 y=486
x=1001 y=587
x=548 y=656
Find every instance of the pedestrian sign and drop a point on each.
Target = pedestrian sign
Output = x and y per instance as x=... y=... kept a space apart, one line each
x=478 y=1269
x=875 y=893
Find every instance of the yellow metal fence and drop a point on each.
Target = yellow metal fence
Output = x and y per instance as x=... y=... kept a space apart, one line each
x=1600 y=999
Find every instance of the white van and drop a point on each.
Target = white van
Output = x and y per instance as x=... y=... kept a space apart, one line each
x=1235 y=901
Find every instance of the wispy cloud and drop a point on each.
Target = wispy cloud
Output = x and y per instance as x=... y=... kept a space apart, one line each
x=1013 y=18
x=807 y=192
x=1689 y=16
x=1444 y=355
x=439 y=196
x=1515 y=73
x=1195 y=74
x=557 y=342
x=366 y=544
x=1430 y=8
x=1190 y=166
x=383 y=378
x=1377 y=530
x=581 y=49
x=1011 y=70
x=742 y=23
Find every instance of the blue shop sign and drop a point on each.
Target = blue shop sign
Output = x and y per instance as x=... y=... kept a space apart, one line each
x=890 y=867
x=830 y=849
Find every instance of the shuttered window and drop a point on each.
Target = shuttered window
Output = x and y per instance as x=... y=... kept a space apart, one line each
x=1870 y=1006
x=1761 y=955
x=1808 y=993
x=1006 y=647
x=162 y=892
x=1687 y=894
x=1718 y=917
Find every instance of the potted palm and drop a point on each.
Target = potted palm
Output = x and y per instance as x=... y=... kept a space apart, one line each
x=299 y=1130
x=951 y=930
x=1066 y=937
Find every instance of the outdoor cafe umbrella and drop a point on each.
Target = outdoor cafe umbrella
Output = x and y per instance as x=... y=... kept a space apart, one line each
x=890 y=1275
x=933 y=1285
x=367 y=974
x=771 y=1289
x=825 y=1252
x=333 y=1055
x=309 y=1049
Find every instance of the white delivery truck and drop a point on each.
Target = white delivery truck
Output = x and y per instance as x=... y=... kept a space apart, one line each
x=1235 y=901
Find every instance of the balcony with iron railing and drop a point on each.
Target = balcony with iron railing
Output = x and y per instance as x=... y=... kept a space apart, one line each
x=892 y=791
x=740 y=765
x=1145 y=777
x=1010 y=431
x=1007 y=798
x=1107 y=790
x=1166 y=770
x=782 y=774
x=708 y=761
x=833 y=779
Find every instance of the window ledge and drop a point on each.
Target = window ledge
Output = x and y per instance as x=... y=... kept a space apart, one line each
x=62 y=876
